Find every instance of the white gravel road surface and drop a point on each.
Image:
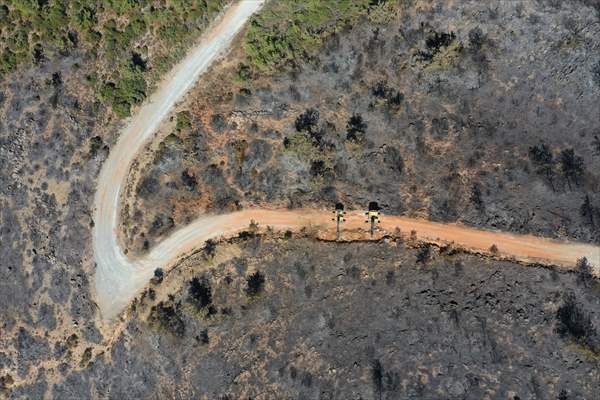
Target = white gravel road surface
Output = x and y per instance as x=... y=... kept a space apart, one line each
x=117 y=277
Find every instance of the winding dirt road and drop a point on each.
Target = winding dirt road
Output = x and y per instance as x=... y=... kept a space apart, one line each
x=119 y=278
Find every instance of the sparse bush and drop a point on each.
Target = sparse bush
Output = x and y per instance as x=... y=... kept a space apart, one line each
x=8 y=61
x=589 y=212
x=243 y=73
x=563 y=395
x=147 y=186
x=253 y=227
x=86 y=357
x=596 y=73
x=393 y=159
x=255 y=284
x=158 y=276
x=571 y=166
x=189 y=181
x=161 y=224
x=200 y=292
x=477 y=197
x=317 y=168
x=543 y=158
x=381 y=90
x=168 y=318
x=424 y=254
x=302 y=145
x=6 y=381
x=584 y=271
x=203 y=337
x=377 y=376
x=172 y=141
x=218 y=123
x=435 y=42
x=596 y=145
x=307 y=121
x=476 y=38
x=576 y=324
x=494 y=249
x=4 y=14
x=395 y=99
x=356 y=128
x=72 y=341
x=95 y=145
x=398 y=235
x=210 y=247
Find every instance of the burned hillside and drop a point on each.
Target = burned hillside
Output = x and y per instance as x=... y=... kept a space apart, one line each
x=467 y=113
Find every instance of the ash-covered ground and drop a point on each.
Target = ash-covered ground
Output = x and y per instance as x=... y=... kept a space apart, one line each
x=299 y=319
x=461 y=112
x=485 y=114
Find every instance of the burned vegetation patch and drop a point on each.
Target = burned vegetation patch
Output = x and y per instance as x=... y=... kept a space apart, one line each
x=398 y=109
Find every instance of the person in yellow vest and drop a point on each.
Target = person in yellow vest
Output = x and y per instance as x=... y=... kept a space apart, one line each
x=338 y=218
x=373 y=215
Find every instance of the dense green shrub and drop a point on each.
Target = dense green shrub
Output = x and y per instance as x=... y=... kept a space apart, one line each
x=4 y=17
x=184 y=120
x=289 y=29
x=95 y=145
x=8 y=61
x=110 y=32
x=126 y=92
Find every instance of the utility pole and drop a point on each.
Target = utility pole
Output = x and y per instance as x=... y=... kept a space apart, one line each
x=338 y=218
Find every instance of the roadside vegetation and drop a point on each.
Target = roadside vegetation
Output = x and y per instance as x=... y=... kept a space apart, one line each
x=289 y=31
x=127 y=44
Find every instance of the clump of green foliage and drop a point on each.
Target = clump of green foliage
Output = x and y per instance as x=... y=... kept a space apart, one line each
x=115 y=33
x=184 y=120
x=129 y=90
x=95 y=145
x=444 y=51
x=301 y=144
x=287 y=30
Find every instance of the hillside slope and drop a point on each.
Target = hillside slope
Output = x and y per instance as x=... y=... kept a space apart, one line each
x=485 y=115
x=273 y=318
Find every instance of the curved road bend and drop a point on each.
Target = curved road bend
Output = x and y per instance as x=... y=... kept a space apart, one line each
x=119 y=278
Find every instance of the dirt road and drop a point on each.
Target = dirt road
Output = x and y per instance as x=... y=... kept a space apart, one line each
x=521 y=247
x=119 y=278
